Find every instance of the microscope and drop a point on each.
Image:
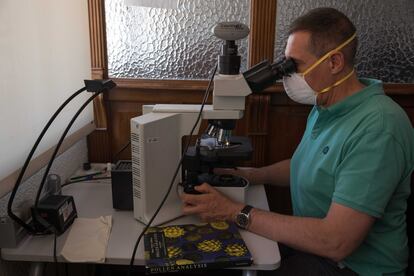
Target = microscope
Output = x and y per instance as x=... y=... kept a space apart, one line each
x=156 y=136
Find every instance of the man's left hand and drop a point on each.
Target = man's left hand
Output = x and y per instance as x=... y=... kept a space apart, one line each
x=210 y=205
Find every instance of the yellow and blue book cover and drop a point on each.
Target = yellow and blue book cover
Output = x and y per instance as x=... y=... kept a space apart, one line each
x=194 y=247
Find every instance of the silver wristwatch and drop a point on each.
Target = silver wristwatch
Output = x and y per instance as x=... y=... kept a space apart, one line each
x=243 y=217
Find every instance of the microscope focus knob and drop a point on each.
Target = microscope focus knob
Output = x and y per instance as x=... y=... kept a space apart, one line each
x=189 y=189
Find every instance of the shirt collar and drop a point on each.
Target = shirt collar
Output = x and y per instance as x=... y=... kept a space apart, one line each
x=372 y=87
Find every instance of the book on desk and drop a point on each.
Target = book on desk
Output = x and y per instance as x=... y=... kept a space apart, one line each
x=194 y=247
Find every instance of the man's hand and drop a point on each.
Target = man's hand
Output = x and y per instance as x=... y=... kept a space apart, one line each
x=210 y=205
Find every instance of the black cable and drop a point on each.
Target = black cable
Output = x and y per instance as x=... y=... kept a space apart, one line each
x=37 y=217
x=206 y=94
x=120 y=151
x=26 y=164
x=49 y=165
x=54 y=253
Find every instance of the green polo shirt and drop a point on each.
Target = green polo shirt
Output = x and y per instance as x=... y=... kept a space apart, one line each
x=359 y=153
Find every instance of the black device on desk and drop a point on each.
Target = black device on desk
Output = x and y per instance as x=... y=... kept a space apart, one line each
x=121 y=175
x=215 y=149
x=57 y=210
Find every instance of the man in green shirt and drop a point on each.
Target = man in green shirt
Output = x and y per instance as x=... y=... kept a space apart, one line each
x=350 y=175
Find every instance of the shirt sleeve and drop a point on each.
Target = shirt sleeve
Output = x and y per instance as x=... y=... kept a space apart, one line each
x=371 y=168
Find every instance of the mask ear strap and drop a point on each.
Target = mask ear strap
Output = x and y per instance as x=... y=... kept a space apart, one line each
x=328 y=54
x=337 y=83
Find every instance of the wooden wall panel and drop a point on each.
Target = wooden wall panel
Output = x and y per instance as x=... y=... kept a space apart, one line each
x=97 y=34
x=261 y=47
x=121 y=114
x=98 y=146
x=98 y=140
x=262 y=34
x=287 y=122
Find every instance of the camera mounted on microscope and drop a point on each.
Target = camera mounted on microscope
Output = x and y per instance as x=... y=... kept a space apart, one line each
x=229 y=59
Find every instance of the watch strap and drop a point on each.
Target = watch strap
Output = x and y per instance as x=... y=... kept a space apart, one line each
x=246 y=210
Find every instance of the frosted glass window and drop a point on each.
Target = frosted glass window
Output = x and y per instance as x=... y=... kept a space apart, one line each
x=151 y=43
x=385 y=30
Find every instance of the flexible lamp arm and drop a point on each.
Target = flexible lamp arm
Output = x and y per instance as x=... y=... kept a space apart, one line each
x=91 y=86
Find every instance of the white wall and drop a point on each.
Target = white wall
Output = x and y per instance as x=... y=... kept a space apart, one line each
x=44 y=57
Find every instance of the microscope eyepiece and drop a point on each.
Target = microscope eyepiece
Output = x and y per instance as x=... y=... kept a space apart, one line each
x=284 y=67
x=264 y=74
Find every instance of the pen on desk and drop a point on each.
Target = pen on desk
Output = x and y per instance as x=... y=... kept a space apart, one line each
x=85 y=176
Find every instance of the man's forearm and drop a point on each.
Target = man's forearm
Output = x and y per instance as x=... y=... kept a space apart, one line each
x=276 y=174
x=306 y=234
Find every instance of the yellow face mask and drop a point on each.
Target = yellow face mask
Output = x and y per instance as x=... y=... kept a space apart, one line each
x=327 y=55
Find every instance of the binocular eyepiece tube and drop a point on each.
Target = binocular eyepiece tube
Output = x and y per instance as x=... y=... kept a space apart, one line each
x=264 y=74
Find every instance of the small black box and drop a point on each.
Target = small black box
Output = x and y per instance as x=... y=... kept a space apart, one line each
x=58 y=210
x=121 y=177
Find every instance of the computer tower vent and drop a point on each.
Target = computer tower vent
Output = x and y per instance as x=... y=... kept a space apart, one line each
x=136 y=167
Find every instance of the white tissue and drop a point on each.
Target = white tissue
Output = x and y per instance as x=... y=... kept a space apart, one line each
x=87 y=240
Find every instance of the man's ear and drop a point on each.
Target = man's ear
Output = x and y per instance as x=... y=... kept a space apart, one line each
x=337 y=62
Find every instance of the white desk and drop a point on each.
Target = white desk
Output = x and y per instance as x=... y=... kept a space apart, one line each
x=94 y=199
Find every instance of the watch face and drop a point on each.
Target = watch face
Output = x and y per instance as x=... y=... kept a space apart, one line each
x=242 y=220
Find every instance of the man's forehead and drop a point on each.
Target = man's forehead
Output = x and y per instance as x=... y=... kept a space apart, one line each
x=297 y=45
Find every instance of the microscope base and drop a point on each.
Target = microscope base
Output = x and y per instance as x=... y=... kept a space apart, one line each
x=233 y=186
x=235 y=193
